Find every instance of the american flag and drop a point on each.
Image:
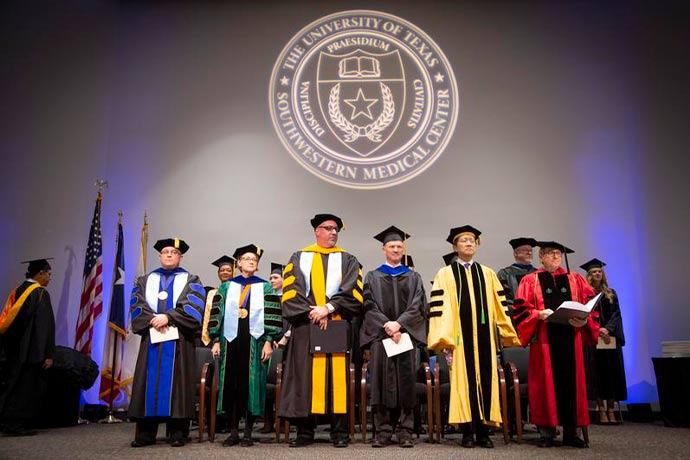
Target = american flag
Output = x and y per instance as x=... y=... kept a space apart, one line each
x=91 y=304
x=111 y=368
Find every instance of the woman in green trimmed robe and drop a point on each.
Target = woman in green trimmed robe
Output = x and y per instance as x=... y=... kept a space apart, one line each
x=245 y=320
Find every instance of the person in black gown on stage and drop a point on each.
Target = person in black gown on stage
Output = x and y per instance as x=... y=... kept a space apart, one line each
x=605 y=369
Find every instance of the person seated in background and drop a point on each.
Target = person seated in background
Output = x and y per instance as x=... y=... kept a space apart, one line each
x=511 y=275
x=226 y=271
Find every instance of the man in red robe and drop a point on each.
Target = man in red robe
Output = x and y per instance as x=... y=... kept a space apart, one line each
x=556 y=385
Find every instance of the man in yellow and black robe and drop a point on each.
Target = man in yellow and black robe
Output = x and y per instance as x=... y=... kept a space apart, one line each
x=322 y=284
x=467 y=304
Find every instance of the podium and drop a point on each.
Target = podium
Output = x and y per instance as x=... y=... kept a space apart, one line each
x=673 y=383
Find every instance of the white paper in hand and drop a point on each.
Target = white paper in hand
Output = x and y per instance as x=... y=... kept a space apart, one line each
x=392 y=348
x=602 y=345
x=170 y=334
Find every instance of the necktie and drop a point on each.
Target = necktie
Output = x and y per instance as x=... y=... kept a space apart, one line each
x=467 y=265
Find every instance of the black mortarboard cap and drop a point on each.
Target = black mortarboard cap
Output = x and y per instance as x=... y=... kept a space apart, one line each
x=455 y=232
x=392 y=233
x=555 y=245
x=277 y=268
x=254 y=249
x=321 y=218
x=37 y=266
x=522 y=241
x=223 y=260
x=448 y=258
x=176 y=243
x=594 y=263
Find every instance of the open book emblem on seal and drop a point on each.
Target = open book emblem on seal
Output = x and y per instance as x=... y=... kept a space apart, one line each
x=361 y=95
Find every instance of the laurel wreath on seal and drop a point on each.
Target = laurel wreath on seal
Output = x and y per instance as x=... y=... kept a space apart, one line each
x=372 y=130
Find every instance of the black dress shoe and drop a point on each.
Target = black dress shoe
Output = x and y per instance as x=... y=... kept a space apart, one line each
x=231 y=441
x=406 y=443
x=340 y=443
x=140 y=443
x=301 y=442
x=545 y=442
x=246 y=442
x=376 y=442
x=467 y=441
x=575 y=442
x=485 y=442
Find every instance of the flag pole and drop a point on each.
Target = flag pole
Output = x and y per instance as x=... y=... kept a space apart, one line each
x=86 y=349
x=111 y=418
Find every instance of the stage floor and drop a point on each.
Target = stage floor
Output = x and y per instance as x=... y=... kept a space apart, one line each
x=96 y=442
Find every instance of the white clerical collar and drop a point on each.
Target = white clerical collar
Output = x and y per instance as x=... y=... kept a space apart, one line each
x=31 y=280
x=393 y=266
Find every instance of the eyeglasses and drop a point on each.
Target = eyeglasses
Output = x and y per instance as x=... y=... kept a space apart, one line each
x=173 y=252
x=554 y=253
x=249 y=259
x=329 y=228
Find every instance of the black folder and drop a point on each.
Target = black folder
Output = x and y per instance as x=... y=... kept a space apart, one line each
x=335 y=339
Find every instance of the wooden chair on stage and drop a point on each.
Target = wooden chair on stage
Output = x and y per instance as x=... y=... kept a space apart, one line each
x=516 y=364
x=279 y=423
x=207 y=392
x=423 y=388
x=272 y=390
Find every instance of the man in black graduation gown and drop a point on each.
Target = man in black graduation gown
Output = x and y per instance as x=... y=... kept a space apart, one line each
x=394 y=304
x=511 y=275
x=166 y=299
x=27 y=335
x=322 y=287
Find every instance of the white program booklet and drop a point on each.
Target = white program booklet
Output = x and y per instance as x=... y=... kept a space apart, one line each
x=392 y=348
x=602 y=345
x=573 y=309
x=171 y=333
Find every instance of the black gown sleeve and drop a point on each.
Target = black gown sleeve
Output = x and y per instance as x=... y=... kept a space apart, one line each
x=615 y=323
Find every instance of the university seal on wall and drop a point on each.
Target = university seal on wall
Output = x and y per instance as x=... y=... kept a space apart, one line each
x=363 y=99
